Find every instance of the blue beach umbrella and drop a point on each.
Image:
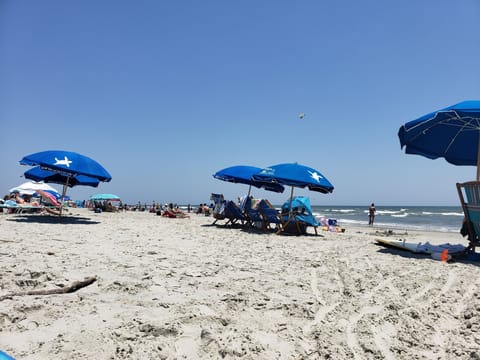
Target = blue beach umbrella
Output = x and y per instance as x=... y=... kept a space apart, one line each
x=242 y=174
x=67 y=163
x=39 y=174
x=295 y=175
x=452 y=133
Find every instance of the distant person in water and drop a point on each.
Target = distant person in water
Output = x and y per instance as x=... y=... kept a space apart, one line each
x=371 y=214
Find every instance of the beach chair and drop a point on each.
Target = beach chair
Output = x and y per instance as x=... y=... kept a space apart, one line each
x=219 y=207
x=252 y=215
x=469 y=194
x=254 y=218
x=270 y=215
x=14 y=208
x=233 y=214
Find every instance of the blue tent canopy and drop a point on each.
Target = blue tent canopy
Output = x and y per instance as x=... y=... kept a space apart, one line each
x=302 y=209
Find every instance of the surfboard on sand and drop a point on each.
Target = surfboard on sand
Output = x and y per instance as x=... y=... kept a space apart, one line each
x=437 y=252
x=400 y=244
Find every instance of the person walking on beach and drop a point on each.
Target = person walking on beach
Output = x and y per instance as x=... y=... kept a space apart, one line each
x=371 y=214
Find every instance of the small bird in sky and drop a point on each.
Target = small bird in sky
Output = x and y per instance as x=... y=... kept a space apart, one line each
x=301 y=115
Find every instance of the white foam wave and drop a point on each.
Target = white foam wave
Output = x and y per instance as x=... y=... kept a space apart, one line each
x=388 y=212
x=343 y=210
x=442 y=213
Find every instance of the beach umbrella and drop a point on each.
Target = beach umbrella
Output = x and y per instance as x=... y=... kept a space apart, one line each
x=38 y=174
x=295 y=175
x=30 y=187
x=242 y=174
x=452 y=133
x=101 y=197
x=67 y=163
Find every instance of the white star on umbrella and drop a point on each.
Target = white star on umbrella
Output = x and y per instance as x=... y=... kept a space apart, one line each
x=315 y=176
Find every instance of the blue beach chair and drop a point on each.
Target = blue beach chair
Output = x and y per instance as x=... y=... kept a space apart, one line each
x=469 y=194
x=219 y=208
x=253 y=216
x=233 y=214
x=270 y=215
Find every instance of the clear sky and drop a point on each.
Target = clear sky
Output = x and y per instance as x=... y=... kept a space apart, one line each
x=165 y=93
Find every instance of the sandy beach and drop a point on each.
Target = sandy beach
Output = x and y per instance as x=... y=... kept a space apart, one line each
x=183 y=289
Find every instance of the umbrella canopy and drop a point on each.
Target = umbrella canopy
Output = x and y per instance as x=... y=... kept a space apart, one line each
x=105 y=197
x=243 y=174
x=295 y=175
x=39 y=174
x=67 y=163
x=30 y=187
x=452 y=133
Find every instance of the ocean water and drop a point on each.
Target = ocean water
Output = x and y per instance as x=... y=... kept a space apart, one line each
x=430 y=218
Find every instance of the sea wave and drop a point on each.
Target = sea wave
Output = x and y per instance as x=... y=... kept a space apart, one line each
x=400 y=215
x=387 y=212
x=442 y=213
x=427 y=218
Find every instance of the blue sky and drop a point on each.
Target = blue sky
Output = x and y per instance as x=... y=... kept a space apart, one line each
x=165 y=93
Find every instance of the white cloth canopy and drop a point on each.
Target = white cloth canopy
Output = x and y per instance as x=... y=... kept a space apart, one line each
x=30 y=187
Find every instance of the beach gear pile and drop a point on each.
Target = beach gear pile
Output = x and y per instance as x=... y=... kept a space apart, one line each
x=330 y=225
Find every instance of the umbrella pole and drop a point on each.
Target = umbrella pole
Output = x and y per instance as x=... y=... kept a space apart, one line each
x=249 y=189
x=289 y=212
x=478 y=160
x=64 y=191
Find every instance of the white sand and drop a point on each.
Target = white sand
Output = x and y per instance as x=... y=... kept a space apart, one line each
x=181 y=289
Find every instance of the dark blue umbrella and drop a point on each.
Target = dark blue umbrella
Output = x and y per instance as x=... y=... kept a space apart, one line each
x=295 y=175
x=451 y=133
x=67 y=163
x=243 y=174
x=38 y=174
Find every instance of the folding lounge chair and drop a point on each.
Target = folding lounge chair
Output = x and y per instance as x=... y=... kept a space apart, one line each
x=270 y=215
x=253 y=216
x=15 y=208
x=234 y=214
x=469 y=194
x=219 y=208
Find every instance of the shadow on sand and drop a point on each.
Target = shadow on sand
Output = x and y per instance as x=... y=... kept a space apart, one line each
x=52 y=219
x=254 y=230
